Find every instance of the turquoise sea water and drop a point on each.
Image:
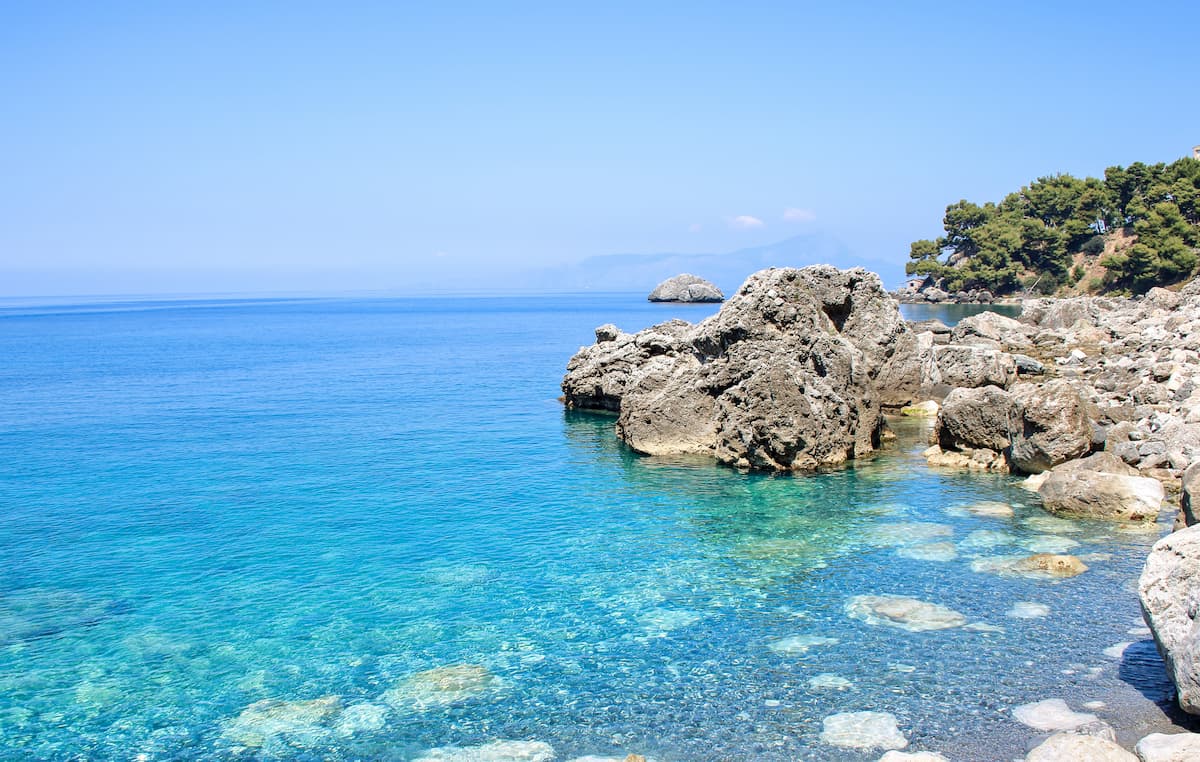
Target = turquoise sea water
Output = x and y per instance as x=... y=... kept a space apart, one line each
x=206 y=505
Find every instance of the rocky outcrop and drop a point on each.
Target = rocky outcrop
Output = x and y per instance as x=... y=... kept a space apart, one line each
x=791 y=374
x=686 y=288
x=1188 y=507
x=1169 y=589
x=782 y=378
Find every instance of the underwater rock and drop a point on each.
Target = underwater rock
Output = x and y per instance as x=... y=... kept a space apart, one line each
x=990 y=509
x=863 y=730
x=34 y=613
x=932 y=551
x=361 y=718
x=1028 y=610
x=1072 y=747
x=912 y=756
x=987 y=538
x=828 y=681
x=442 y=686
x=1039 y=566
x=797 y=645
x=1173 y=747
x=1049 y=543
x=1051 y=714
x=904 y=613
x=496 y=751
x=302 y=723
x=1117 y=650
x=907 y=533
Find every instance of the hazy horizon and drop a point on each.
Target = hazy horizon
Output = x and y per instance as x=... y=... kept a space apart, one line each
x=281 y=148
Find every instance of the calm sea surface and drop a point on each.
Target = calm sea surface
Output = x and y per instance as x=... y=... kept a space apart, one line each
x=205 y=505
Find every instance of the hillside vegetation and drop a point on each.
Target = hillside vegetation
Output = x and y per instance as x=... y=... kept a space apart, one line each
x=1137 y=228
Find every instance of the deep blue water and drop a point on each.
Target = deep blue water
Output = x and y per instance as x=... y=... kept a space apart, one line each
x=205 y=505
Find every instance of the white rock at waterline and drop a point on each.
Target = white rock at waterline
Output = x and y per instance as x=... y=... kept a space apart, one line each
x=797 y=645
x=1070 y=747
x=1173 y=747
x=496 y=751
x=828 y=681
x=930 y=551
x=863 y=730
x=1028 y=610
x=1051 y=714
x=904 y=613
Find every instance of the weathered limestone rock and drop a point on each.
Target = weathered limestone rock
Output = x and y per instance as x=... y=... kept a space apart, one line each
x=992 y=327
x=1174 y=747
x=686 y=288
x=975 y=418
x=784 y=377
x=1094 y=494
x=1169 y=589
x=1054 y=427
x=1071 y=747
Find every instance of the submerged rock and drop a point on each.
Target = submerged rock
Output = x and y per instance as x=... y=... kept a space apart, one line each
x=907 y=533
x=863 y=730
x=496 y=751
x=914 y=756
x=904 y=613
x=1169 y=589
x=1051 y=714
x=797 y=645
x=301 y=723
x=1072 y=747
x=1028 y=610
x=828 y=681
x=442 y=686
x=931 y=551
x=686 y=288
x=1038 y=566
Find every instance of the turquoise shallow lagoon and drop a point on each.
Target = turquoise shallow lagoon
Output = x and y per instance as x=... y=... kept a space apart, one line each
x=205 y=505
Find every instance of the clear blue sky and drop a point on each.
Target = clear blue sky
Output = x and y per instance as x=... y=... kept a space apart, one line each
x=217 y=146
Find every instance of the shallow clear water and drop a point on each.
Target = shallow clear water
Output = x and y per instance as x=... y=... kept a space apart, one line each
x=207 y=505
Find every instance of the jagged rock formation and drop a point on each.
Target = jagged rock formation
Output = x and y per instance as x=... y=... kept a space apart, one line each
x=789 y=375
x=686 y=288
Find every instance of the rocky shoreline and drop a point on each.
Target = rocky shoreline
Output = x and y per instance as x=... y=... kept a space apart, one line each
x=1095 y=399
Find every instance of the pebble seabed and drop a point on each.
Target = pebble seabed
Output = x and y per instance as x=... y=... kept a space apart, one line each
x=721 y=618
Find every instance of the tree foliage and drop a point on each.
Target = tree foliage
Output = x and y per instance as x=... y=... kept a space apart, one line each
x=1032 y=235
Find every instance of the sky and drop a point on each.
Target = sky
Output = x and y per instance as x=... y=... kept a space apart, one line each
x=298 y=146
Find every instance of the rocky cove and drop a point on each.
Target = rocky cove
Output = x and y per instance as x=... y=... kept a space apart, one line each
x=1096 y=400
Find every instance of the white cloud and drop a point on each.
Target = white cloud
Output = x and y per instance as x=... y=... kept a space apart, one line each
x=795 y=214
x=746 y=221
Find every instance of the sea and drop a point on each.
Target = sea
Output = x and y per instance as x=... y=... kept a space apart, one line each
x=367 y=528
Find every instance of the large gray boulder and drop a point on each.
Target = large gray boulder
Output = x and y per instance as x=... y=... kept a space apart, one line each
x=991 y=329
x=1169 y=589
x=1084 y=493
x=977 y=418
x=784 y=377
x=686 y=288
x=1055 y=426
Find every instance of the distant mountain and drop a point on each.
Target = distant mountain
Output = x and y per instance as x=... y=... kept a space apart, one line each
x=642 y=272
